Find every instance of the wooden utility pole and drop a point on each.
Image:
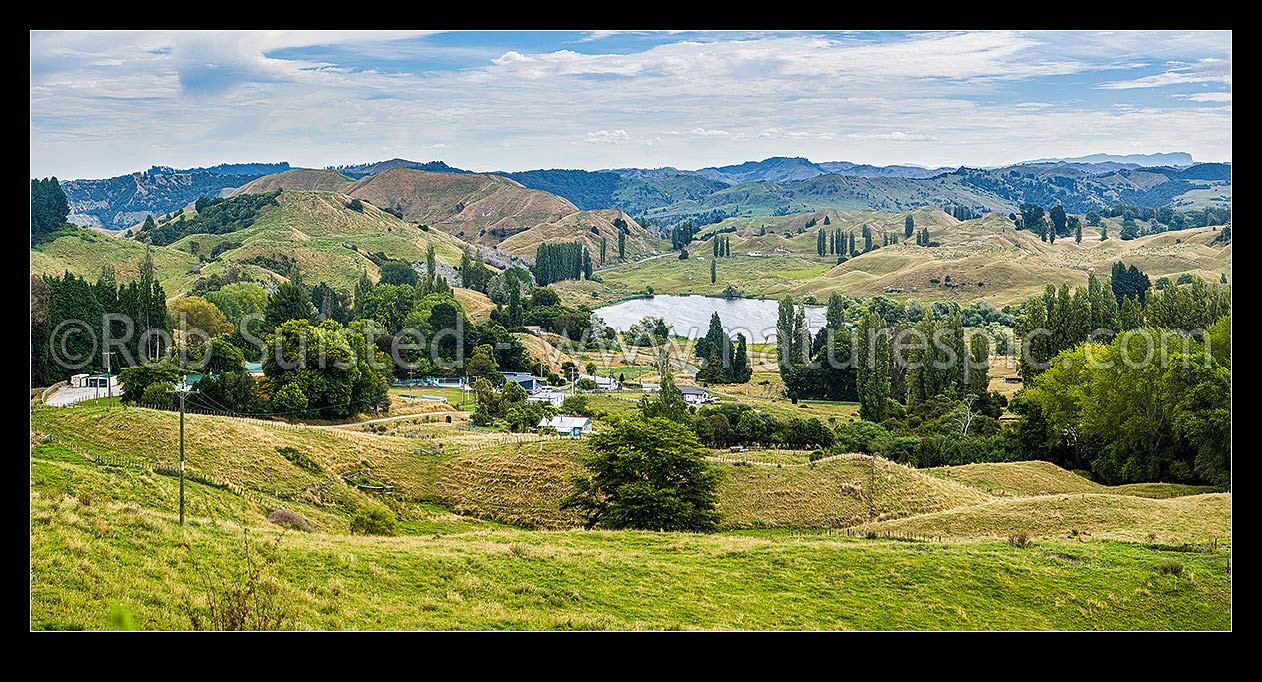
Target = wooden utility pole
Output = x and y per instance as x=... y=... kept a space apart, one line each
x=108 y=384
x=182 y=390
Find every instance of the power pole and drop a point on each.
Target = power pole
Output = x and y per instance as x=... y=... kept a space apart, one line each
x=182 y=390
x=109 y=386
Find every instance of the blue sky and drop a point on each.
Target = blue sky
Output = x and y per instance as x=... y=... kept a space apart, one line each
x=107 y=103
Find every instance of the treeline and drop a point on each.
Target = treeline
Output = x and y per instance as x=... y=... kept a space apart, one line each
x=1126 y=416
x=682 y=235
x=48 y=209
x=214 y=216
x=78 y=345
x=1061 y=319
x=560 y=261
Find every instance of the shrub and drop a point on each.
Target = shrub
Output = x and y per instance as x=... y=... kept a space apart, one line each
x=372 y=520
x=159 y=394
x=355 y=205
x=284 y=517
x=1020 y=540
x=248 y=599
x=1171 y=567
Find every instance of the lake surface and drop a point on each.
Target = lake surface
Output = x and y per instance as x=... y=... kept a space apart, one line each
x=690 y=315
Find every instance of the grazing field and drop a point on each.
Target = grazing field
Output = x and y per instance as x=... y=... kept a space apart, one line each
x=104 y=537
x=1023 y=479
x=1194 y=518
x=89 y=561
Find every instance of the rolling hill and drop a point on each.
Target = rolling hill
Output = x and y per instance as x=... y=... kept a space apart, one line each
x=317 y=230
x=478 y=208
x=1009 y=264
x=587 y=227
x=300 y=179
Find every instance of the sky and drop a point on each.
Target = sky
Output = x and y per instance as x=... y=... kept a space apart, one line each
x=109 y=103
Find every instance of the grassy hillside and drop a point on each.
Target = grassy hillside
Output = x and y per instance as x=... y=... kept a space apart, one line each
x=104 y=538
x=476 y=207
x=329 y=241
x=1021 y=479
x=85 y=251
x=587 y=227
x=88 y=561
x=300 y=179
x=1193 y=518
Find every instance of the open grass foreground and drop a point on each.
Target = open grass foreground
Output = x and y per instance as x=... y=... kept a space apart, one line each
x=482 y=543
x=92 y=561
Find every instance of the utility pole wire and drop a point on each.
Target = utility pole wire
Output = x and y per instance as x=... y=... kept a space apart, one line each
x=182 y=390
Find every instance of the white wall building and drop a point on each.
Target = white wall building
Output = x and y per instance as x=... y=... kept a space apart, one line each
x=568 y=425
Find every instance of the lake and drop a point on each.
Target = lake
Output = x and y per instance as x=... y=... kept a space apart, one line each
x=690 y=315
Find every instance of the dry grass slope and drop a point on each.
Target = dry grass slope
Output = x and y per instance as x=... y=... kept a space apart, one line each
x=1194 y=518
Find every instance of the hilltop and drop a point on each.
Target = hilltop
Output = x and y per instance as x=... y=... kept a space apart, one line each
x=587 y=227
x=478 y=208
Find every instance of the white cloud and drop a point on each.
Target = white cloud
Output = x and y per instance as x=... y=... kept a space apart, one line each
x=107 y=103
x=438 y=145
x=896 y=135
x=1209 y=70
x=608 y=137
x=1207 y=97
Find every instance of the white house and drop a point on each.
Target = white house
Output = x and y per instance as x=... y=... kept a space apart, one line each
x=94 y=381
x=602 y=383
x=695 y=395
x=546 y=395
x=650 y=388
x=568 y=425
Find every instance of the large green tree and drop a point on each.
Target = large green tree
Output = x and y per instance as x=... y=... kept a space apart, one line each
x=873 y=368
x=648 y=474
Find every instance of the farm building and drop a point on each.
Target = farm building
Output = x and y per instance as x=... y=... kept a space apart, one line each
x=695 y=395
x=568 y=425
x=603 y=383
x=527 y=381
x=94 y=381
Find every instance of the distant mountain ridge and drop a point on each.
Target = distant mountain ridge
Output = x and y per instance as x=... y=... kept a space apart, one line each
x=1159 y=159
x=773 y=186
x=254 y=169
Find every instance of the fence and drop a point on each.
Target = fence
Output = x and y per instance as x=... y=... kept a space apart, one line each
x=897 y=536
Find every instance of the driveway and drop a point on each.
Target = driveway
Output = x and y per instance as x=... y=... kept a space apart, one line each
x=69 y=396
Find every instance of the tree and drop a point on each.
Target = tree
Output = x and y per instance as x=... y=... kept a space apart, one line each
x=1032 y=219
x=604 y=242
x=648 y=474
x=398 y=272
x=543 y=296
x=1060 y=221
x=1077 y=230
x=514 y=304
x=135 y=380
x=587 y=264
x=669 y=403
x=786 y=332
x=741 y=370
x=622 y=245
x=195 y=312
x=1104 y=232
x=48 y=208
x=872 y=365
x=979 y=365
x=821 y=244
x=482 y=362
x=290 y=302
x=714 y=273
x=909 y=226
x=1130 y=229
